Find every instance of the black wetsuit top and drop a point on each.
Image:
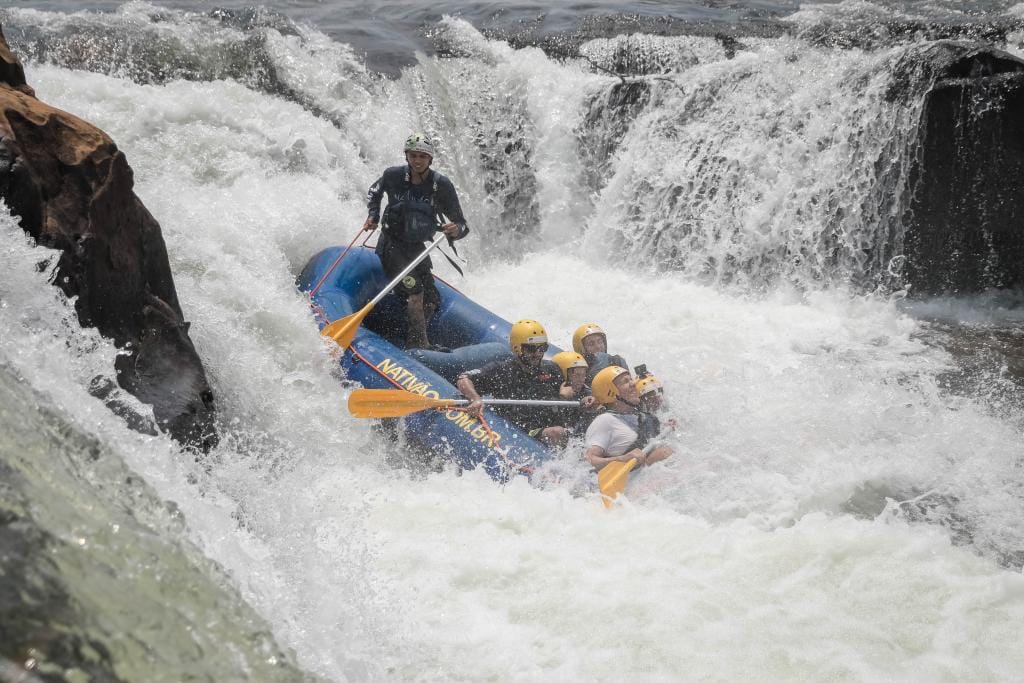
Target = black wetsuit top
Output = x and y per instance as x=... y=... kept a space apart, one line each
x=599 y=361
x=436 y=191
x=510 y=378
x=577 y=419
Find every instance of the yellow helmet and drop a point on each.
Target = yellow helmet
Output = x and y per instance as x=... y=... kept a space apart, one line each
x=648 y=384
x=585 y=330
x=526 y=332
x=569 y=359
x=603 y=386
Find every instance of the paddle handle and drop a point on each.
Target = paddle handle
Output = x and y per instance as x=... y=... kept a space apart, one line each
x=405 y=271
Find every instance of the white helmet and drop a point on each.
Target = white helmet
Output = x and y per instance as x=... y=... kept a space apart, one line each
x=418 y=142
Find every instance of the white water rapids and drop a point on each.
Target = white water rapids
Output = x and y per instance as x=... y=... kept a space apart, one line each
x=775 y=543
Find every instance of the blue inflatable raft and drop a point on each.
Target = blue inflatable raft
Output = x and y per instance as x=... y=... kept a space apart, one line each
x=375 y=360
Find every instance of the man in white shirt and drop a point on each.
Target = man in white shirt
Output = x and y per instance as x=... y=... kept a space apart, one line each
x=617 y=435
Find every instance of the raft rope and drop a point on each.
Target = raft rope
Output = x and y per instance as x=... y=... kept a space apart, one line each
x=318 y=310
x=336 y=262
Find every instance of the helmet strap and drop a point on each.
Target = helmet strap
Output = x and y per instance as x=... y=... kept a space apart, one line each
x=634 y=407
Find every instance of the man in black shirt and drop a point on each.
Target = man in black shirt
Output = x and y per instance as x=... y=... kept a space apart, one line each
x=417 y=196
x=526 y=376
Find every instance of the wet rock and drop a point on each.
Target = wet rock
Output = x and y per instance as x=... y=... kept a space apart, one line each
x=99 y=580
x=72 y=188
x=145 y=52
x=916 y=505
x=872 y=35
x=965 y=227
x=11 y=71
x=506 y=159
x=115 y=399
x=642 y=56
x=610 y=113
x=989 y=364
x=567 y=44
x=38 y=634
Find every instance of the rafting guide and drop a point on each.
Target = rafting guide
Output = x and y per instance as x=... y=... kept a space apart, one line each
x=418 y=197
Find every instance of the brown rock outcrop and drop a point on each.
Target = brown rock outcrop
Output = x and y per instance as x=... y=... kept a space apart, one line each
x=72 y=189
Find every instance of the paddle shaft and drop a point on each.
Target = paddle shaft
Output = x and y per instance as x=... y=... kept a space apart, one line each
x=396 y=403
x=520 y=402
x=405 y=271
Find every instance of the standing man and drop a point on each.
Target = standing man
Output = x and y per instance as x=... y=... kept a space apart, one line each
x=417 y=198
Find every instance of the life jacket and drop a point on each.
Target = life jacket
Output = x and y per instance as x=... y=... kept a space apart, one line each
x=601 y=360
x=409 y=219
x=648 y=427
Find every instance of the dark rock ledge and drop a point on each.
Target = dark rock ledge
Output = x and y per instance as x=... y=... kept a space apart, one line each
x=72 y=189
x=965 y=226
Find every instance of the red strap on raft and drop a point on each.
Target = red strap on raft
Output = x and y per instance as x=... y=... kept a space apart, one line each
x=336 y=262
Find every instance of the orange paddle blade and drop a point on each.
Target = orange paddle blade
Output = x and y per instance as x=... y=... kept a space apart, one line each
x=392 y=403
x=343 y=330
x=612 y=478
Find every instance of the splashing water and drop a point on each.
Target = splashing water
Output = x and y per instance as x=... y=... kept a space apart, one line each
x=809 y=525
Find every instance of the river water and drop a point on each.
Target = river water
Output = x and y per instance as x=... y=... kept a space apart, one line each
x=846 y=498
